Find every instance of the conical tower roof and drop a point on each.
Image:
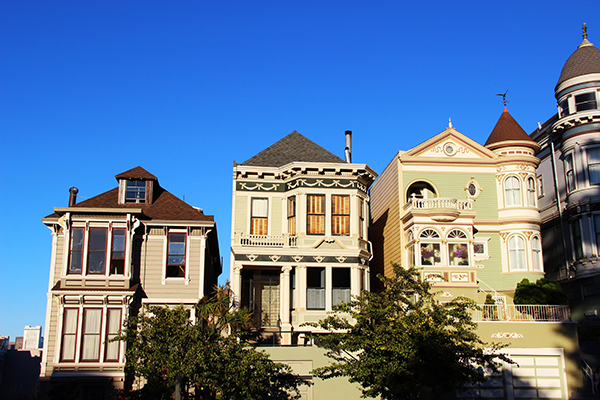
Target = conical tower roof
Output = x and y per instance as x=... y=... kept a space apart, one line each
x=292 y=148
x=585 y=60
x=508 y=132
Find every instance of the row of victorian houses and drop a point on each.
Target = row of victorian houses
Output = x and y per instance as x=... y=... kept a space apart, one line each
x=310 y=229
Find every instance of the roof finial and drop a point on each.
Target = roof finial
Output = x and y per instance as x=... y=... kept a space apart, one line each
x=584 y=31
x=449 y=123
x=585 y=41
x=503 y=97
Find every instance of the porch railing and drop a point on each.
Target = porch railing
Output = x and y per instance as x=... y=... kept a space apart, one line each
x=439 y=203
x=499 y=312
x=267 y=240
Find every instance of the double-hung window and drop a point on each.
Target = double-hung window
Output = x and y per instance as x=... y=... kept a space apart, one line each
x=113 y=325
x=97 y=251
x=340 y=281
x=315 y=288
x=117 y=255
x=90 y=341
x=76 y=254
x=340 y=215
x=430 y=247
x=564 y=108
x=570 y=177
x=69 y=334
x=577 y=242
x=135 y=191
x=259 y=222
x=516 y=250
x=458 y=247
x=291 y=212
x=176 y=255
x=315 y=214
x=361 y=218
x=536 y=250
x=512 y=191
x=593 y=158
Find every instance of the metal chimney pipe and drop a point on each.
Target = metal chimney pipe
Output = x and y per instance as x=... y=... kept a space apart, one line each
x=348 y=149
x=73 y=196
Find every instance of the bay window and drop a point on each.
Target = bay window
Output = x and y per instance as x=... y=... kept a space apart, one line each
x=315 y=210
x=340 y=215
x=259 y=221
x=176 y=255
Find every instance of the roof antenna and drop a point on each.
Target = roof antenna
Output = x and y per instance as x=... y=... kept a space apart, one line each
x=503 y=97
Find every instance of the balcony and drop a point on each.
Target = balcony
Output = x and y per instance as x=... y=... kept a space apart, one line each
x=266 y=240
x=528 y=313
x=440 y=209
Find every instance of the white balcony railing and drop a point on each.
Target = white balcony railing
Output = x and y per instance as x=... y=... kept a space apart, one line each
x=439 y=203
x=266 y=240
x=498 y=312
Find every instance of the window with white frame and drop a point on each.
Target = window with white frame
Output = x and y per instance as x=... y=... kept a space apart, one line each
x=315 y=288
x=340 y=215
x=593 y=159
x=361 y=218
x=564 y=107
x=540 y=186
x=90 y=334
x=95 y=250
x=291 y=212
x=531 y=194
x=259 y=220
x=430 y=247
x=569 y=175
x=586 y=101
x=176 y=255
x=516 y=250
x=458 y=247
x=512 y=191
x=536 y=253
x=315 y=214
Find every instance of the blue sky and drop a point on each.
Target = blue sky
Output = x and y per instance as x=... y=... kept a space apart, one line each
x=89 y=89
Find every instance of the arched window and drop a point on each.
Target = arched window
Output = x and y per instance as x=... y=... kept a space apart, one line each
x=430 y=247
x=536 y=250
x=420 y=190
x=512 y=191
x=458 y=247
x=516 y=250
x=531 y=194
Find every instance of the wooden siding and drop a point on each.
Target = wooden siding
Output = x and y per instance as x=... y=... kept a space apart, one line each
x=277 y=216
x=385 y=229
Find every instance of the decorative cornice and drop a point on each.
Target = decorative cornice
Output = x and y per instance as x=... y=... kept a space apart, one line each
x=507 y=335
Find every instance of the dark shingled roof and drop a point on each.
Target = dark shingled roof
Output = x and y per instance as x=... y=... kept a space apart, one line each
x=585 y=60
x=507 y=129
x=137 y=173
x=292 y=148
x=164 y=207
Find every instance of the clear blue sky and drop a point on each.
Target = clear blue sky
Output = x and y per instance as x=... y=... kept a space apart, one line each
x=89 y=89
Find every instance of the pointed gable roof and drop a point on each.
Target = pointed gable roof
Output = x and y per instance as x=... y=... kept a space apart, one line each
x=137 y=173
x=508 y=132
x=292 y=148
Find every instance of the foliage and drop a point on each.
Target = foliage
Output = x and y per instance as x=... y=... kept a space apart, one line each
x=206 y=358
x=402 y=343
x=541 y=292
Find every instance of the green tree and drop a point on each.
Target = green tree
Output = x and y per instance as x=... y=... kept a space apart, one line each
x=403 y=344
x=542 y=291
x=206 y=358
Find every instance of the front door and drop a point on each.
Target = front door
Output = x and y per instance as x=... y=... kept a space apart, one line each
x=260 y=293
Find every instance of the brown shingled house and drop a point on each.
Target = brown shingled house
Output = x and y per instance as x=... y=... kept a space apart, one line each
x=135 y=244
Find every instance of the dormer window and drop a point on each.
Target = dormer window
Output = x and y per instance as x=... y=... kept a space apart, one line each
x=135 y=191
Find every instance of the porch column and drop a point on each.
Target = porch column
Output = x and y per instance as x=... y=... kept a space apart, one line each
x=236 y=283
x=284 y=301
x=300 y=288
x=355 y=272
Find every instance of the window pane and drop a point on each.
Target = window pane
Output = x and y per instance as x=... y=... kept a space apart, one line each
x=97 y=251
x=537 y=252
x=76 y=256
x=90 y=344
x=585 y=101
x=259 y=208
x=69 y=334
x=176 y=256
x=459 y=253
x=431 y=254
x=112 y=330
x=516 y=247
x=594 y=165
x=512 y=191
x=316 y=214
x=340 y=220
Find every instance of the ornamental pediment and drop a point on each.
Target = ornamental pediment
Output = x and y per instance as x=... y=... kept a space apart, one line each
x=448 y=146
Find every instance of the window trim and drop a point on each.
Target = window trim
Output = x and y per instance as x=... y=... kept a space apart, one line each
x=569 y=167
x=530 y=186
x=538 y=256
x=522 y=255
x=291 y=215
x=593 y=101
x=322 y=288
x=515 y=192
x=108 y=335
x=540 y=186
x=263 y=220
x=83 y=334
x=136 y=190
x=429 y=236
x=80 y=251
x=63 y=334
x=587 y=158
x=112 y=251
x=90 y=252
x=463 y=240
